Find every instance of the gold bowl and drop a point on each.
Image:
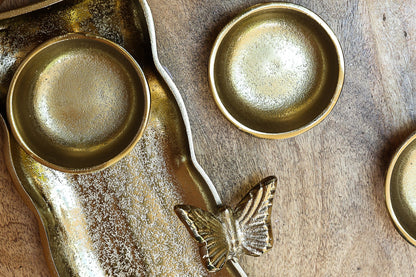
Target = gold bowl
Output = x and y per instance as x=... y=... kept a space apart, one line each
x=401 y=190
x=78 y=103
x=276 y=70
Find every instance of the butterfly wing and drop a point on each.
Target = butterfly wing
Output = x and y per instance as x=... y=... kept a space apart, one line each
x=209 y=232
x=253 y=216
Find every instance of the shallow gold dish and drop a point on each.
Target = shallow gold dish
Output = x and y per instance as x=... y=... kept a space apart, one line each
x=276 y=70
x=401 y=190
x=78 y=103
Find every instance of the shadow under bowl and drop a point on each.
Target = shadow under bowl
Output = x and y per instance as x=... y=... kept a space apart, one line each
x=276 y=70
x=78 y=103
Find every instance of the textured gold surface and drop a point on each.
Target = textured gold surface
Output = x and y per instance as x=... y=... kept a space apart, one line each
x=276 y=70
x=119 y=221
x=401 y=189
x=245 y=229
x=78 y=103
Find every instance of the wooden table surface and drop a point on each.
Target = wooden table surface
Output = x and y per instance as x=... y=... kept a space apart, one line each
x=329 y=215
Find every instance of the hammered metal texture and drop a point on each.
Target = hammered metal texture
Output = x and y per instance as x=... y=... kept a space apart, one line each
x=276 y=70
x=401 y=190
x=78 y=103
x=119 y=221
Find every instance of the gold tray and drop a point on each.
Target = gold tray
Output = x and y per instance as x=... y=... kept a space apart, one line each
x=119 y=221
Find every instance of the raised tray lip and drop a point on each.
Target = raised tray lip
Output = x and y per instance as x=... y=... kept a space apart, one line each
x=259 y=8
x=411 y=239
x=184 y=113
x=25 y=196
x=161 y=69
x=28 y=9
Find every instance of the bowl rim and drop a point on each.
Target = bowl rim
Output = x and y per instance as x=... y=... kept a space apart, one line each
x=388 y=185
x=115 y=158
x=260 y=8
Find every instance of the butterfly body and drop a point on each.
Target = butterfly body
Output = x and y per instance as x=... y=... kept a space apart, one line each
x=230 y=232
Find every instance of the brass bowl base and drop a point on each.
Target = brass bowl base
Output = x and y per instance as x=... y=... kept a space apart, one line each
x=276 y=70
x=401 y=190
x=78 y=103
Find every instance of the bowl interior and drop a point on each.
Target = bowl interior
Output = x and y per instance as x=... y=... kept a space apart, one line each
x=401 y=190
x=276 y=69
x=78 y=103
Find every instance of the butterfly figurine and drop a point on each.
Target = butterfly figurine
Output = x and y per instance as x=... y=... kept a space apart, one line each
x=231 y=232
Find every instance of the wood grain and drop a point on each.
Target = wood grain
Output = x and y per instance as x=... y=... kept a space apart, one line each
x=6 y=5
x=329 y=214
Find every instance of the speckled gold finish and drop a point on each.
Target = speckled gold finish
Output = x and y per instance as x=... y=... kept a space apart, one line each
x=276 y=70
x=401 y=190
x=231 y=232
x=118 y=221
x=78 y=103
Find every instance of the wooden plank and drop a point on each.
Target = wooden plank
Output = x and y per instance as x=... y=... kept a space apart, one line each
x=329 y=216
x=6 y=5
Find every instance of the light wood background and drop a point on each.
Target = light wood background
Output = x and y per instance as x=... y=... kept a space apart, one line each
x=329 y=215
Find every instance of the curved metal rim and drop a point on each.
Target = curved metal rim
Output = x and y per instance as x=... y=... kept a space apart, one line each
x=26 y=198
x=28 y=9
x=399 y=227
x=259 y=8
x=117 y=157
x=181 y=105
